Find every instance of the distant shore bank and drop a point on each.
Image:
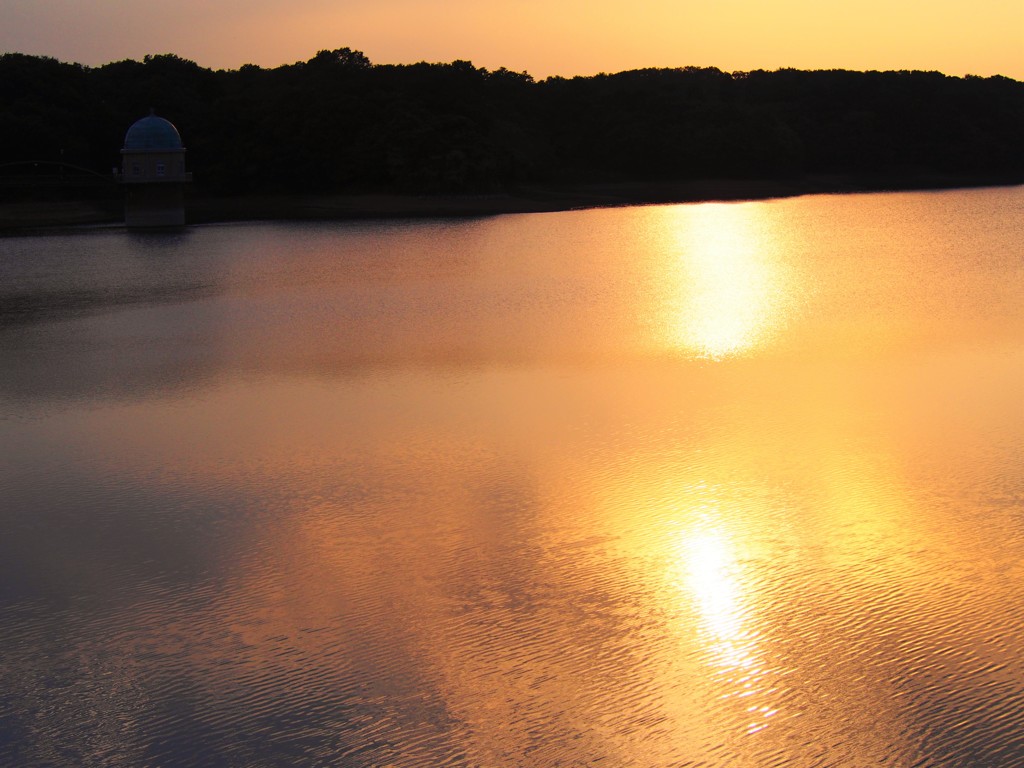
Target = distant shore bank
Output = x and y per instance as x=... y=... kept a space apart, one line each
x=45 y=216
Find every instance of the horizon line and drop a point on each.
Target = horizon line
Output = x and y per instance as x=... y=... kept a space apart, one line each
x=146 y=57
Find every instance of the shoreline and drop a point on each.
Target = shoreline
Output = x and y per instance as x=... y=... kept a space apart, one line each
x=22 y=218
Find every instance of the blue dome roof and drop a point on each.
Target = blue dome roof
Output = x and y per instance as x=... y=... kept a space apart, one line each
x=152 y=132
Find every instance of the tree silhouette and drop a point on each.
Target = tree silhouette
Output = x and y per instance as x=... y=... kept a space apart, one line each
x=338 y=123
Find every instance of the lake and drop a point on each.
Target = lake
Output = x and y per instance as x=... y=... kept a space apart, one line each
x=686 y=485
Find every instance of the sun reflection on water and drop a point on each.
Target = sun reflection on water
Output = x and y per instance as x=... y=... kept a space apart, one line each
x=730 y=286
x=710 y=574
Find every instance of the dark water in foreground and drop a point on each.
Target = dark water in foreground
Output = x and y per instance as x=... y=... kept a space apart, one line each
x=718 y=485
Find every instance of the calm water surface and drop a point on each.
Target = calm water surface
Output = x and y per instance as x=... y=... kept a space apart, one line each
x=696 y=485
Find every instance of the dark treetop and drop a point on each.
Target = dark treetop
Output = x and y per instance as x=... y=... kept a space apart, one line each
x=338 y=123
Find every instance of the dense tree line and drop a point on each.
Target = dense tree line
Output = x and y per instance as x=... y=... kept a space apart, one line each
x=338 y=123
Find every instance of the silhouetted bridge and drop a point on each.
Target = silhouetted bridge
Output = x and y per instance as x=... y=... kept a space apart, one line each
x=53 y=174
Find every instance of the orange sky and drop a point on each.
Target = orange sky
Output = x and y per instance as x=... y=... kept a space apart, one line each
x=543 y=37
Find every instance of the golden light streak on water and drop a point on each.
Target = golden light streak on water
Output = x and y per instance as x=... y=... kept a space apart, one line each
x=711 y=578
x=710 y=570
x=731 y=287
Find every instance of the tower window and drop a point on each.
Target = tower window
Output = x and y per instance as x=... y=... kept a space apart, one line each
x=160 y=170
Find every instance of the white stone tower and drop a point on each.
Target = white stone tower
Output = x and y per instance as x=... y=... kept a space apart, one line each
x=153 y=174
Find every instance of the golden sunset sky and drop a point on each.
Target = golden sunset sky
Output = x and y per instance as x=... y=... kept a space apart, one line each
x=542 y=37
